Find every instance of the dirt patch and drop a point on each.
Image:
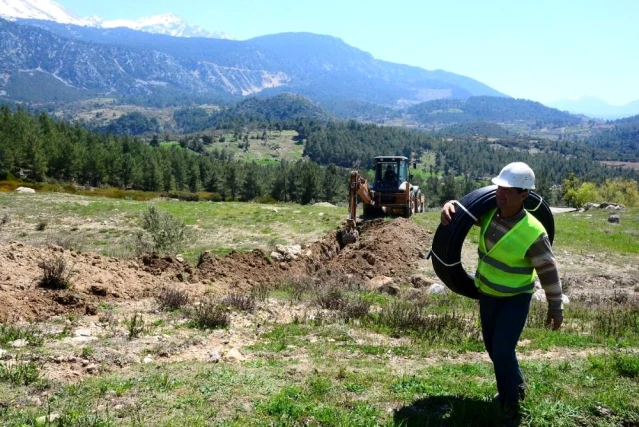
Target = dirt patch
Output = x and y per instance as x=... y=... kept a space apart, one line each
x=94 y=279
x=385 y=248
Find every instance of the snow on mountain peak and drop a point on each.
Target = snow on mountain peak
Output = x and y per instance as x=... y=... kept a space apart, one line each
x=37 y=9
x=48 y=10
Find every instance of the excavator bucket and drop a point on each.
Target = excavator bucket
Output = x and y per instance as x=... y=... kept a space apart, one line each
x=350 y=233
x=349 y=237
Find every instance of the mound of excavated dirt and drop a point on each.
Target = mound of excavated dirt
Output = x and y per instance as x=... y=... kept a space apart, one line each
x=385 y=248
x=94 y=279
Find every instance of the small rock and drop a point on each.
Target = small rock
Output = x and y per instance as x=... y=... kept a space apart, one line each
x=90 y=310
x=99 y=290
x=19 y=343
x=234 y=355
x=614 y=219
x=413 y=294
x=82 y=332
x=437 y=289
x=47 y=419
x=68 y=299
x=379 y=281
x=147 y=360
x=214 y=356
x=420 y=281
x=390 y=289
x=79 y=340
x=92 y=369
x=25 y=190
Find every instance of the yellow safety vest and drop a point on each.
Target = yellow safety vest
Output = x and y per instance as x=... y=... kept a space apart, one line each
x=504 y=270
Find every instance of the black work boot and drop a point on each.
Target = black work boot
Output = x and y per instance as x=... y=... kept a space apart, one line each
x=510 y=414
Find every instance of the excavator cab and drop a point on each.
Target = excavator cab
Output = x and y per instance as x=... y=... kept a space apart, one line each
x=390 y=172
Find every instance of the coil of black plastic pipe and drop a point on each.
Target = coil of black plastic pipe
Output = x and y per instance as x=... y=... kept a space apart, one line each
x=448 y=240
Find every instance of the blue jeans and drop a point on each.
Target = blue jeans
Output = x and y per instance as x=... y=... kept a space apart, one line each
x=502 y=320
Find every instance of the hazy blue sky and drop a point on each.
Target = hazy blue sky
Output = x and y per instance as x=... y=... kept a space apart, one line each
x=544 y=50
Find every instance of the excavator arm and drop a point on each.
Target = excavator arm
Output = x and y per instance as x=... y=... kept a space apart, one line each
x=358 y=186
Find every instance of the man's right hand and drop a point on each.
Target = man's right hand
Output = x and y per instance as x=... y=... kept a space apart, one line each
x=448 y=210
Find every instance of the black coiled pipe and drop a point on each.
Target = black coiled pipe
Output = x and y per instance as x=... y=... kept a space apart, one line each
x=448 y=240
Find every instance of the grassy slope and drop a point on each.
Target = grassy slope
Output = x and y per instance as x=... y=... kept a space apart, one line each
x=279 y=146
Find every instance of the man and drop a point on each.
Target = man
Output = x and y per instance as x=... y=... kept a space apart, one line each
x=389 y=174
x=513 y=245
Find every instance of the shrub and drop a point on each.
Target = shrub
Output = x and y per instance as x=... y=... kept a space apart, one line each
x=167 y=232
x=185 y=196
x=401 y=315
x=355 y=308
x=135 y=326
x=330 y=299
x=214 y=197
x=241 y=302
x=41 y=225
x=5 y=220
x=297 y=285
x=266 y=199
x=260 y=291
x=209 y=314
x=9 y=332
x=170 y=298
x=20 y=373
x=56 y=274
x=626 y=364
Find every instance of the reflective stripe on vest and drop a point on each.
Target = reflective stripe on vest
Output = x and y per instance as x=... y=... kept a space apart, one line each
x=505 y=270
x=500 y=265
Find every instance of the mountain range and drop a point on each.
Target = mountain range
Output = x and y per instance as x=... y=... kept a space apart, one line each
x=48 y=10
x=46 y=60
x=595 y=107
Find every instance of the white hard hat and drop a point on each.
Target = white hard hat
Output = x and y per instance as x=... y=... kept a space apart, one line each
x=517 y=174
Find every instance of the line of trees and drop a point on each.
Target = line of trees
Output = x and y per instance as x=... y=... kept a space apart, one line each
x=38 y=148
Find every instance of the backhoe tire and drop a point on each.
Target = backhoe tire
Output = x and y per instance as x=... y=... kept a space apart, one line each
x=448 y=240
x=408 y=211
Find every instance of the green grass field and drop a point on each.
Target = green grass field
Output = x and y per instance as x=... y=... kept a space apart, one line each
x=280 y=145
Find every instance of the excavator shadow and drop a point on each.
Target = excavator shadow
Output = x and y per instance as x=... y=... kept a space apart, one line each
x=447 y=411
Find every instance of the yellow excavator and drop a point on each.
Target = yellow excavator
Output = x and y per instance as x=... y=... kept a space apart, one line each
x=390 y=193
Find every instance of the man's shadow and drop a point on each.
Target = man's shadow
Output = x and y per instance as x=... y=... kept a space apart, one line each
x=448 y=411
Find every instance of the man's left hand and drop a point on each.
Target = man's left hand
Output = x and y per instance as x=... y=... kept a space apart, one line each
x=554 y=320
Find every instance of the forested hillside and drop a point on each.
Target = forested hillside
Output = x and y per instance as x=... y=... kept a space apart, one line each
x=252 y=111
x=490 y=109
x=622 y=140
x=474 y=129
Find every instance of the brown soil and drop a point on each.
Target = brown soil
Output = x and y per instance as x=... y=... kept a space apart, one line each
x=385 y=248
